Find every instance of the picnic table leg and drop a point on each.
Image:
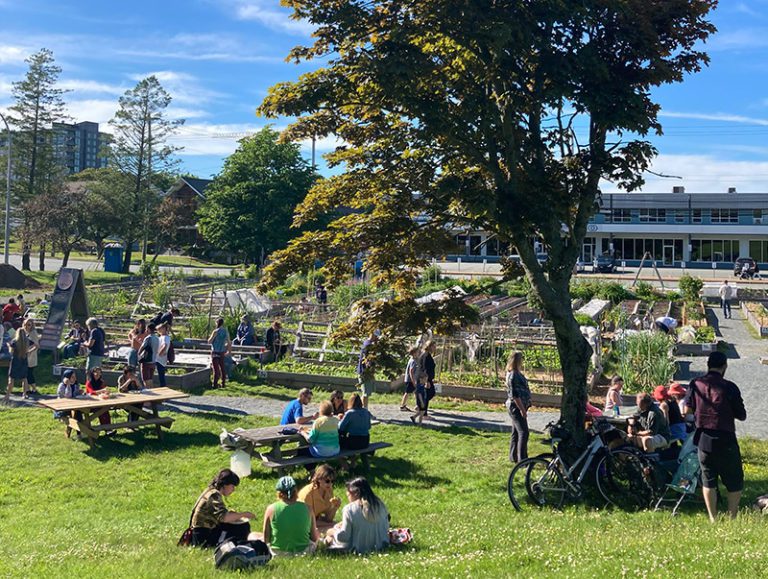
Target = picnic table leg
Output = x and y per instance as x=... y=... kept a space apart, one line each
x=158 y=427
x=84 y=427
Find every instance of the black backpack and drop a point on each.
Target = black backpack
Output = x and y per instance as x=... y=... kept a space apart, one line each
x=247 y=555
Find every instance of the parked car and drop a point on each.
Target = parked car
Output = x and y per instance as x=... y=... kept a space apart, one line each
x=739 y=269
x=604 y=263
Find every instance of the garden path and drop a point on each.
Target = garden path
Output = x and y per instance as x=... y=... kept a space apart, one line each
x=744 y=368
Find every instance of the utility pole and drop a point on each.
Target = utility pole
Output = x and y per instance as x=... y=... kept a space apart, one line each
x=7 y=191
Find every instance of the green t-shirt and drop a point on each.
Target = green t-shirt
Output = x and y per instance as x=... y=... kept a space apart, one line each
x=291 y=526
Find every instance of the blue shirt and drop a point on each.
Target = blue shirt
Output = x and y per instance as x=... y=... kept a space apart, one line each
x=356 y=422
x=219 y=342
x=292 y=412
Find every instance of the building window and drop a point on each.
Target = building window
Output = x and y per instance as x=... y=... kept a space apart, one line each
x=679 y=216
x=653 y=215
x=621 y=216
x=759 y=216
x=758 y=250
x=708 y=250
x=696 y=216
x=725 y=216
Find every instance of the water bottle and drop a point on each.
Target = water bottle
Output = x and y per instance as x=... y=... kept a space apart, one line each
x=616 y=412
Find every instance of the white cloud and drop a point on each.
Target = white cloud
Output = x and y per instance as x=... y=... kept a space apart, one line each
x=13 y=54
x=704 y=174
x=723 y=117
x=96 y=110
x=91 y=87
x=183 y=87
x=269 y=13
x=739 y=39
x=211 y=139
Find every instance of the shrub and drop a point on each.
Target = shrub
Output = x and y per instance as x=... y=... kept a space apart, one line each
x=252 y=271
x=433 y=273
x=149 y=270
x=645 y=360
x=585 y=320
x=690 y=287
x=614 y=292
x=705 y=335
x=646 y=292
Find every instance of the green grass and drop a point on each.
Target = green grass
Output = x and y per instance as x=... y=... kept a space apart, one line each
x=47 y=278
x=117 y=511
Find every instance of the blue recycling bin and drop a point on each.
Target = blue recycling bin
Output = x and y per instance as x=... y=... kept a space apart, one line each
x=113 y=259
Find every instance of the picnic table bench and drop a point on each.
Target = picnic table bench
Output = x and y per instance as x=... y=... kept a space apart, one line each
x=80 y=413
x=269 y=443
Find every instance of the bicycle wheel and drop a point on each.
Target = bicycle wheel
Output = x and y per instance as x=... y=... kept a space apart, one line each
x=536 y=482
x=621 y=480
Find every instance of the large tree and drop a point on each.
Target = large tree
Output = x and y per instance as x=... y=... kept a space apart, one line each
x=140 y=149
x=501 y=115
x=38 y=168
x=249 y=206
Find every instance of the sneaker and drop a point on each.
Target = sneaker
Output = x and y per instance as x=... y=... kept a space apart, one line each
x=25 y=396
x=404 y=408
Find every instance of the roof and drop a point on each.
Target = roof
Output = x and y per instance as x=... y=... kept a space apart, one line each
x=197 y=185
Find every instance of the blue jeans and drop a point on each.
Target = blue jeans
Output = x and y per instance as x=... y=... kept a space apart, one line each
x=726 y=307
x=160 y=374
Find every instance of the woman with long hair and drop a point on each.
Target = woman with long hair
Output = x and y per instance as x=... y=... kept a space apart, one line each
x=212 y=522
x=355 y=427
x=34 y=341
x=318 y=496
x=18 y=369
x=364 y=525
x=518 y=403
x=95 y=386
x=613 y=398
x=337 y=401
x=220 y=346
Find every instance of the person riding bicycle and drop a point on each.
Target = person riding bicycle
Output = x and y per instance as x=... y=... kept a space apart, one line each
x=651 y=430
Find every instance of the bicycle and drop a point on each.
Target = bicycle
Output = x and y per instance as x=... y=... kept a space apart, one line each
x=548 y=480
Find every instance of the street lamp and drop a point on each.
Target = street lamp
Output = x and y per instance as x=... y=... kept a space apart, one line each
x=7 y=191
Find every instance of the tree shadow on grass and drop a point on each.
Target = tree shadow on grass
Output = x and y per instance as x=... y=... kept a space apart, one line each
x=203 y=410
x=143 y=441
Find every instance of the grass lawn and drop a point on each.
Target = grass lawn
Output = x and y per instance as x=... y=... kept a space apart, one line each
x=117 y=511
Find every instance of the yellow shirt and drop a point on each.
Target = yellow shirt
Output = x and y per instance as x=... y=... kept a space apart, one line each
x=318 y=500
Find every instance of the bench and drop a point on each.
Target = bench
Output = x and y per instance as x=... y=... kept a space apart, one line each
x=283 y=463
x=146 y=422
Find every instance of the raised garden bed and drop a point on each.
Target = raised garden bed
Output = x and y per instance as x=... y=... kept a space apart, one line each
x=193 y=376
x=345 y=384
x=756 y=315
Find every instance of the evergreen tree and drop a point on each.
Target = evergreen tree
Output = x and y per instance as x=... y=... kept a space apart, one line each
x=139 y=149
x=37 y=169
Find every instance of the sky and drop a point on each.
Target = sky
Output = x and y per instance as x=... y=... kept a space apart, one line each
x=217 y=58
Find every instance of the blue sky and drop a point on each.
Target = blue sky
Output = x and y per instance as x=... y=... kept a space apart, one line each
x=218 y=57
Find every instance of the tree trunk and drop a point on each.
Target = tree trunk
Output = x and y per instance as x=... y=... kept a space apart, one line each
x=65 y=257
x=574 y=353
x=41 y=258
x=25 y=260
x=99 y=249
x=127 y=256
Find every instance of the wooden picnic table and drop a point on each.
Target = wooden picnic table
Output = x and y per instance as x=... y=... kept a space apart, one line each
x=268 y=444
x=81 y=413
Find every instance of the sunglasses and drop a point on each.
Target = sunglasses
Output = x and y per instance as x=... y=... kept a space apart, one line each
x=328 y=480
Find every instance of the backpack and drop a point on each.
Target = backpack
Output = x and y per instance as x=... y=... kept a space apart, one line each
x=171 y=354
x=146 y=355
x=247 y=555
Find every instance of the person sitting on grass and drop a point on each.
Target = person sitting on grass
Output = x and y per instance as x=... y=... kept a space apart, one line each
x=212 y=521
x=323 y=437
x=289 y=526
x=95 y=386
x=649 y=431
x=355 y=427
x=337 y=401
x=364 y=525
x=318 y=496
x=294 y=411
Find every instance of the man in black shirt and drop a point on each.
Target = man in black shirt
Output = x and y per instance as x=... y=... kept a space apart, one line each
x=716 y=404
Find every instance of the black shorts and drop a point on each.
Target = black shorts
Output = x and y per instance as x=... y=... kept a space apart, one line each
x=409 y=388
x=723 y=461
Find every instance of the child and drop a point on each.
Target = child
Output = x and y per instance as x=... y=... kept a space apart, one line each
x=128 y=381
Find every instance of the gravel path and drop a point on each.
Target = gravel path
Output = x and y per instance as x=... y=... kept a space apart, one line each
x=744 y=368
x=390 y=414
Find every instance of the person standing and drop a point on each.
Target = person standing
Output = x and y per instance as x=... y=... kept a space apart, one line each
x=428 y=365
x=726 y=295
x=34 y=344
x=148 y=355
x=220 y=347
x=613 y=398
x=273 y=341
x=411 y=377
x=17 y=370
x=366 y=374
x=716 y=404
x=136 y=337
x=518 y=403
x=164 y=346
x=96 y=344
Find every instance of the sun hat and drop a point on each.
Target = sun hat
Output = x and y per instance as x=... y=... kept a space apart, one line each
x=677 y=390
x=660 y=393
